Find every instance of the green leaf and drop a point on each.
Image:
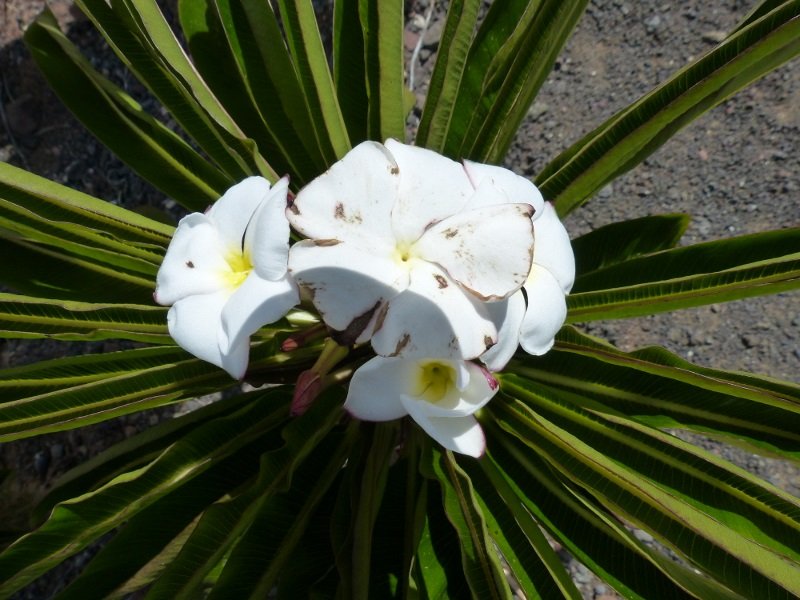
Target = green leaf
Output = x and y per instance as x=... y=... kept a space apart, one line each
x=118 y=394
x=60 y=275
x=222 y=525
x=349 y=68
x=621 y=241
x=134 y=452
x=729 y=523
x=129 y=560
x=759 y=10
x=61 y=204
x=448 y=73
x=77 y=240
x=438 y=571
x=511 y=57
x=142 y=39
x=25 y=317
x=76 y=523
x=716 y=271
x=592 y=534
x=382 y=27
x=79 y=247
x=634 y=133
x=179 y=377
x=119 y=122
x=479 y=558
x=311 y=63
x=372 y=485
x=655 y=387
x=523 y=545
x=257 y=562
x=239 y=49
x=401 y=518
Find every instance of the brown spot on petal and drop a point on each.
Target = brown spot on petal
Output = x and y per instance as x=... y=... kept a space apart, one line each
x=381 y=316
x=394 y=170
x=338 y=212
x=190 y=264
x=450 y=233
x=401 y=344
x=488 y=341
x=326 y=242
x=441 y=281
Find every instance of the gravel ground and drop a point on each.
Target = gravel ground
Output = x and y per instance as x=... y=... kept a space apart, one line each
x=735 y=169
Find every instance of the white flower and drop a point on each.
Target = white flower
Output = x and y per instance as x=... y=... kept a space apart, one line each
x=225 y=273
x=532 y=324
x=440 y=395
x=405 y=251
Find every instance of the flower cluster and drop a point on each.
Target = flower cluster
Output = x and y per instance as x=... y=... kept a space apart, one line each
x=444 y=268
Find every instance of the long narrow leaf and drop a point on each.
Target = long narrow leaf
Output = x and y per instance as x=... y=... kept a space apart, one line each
x=60 y=203
x=61 y=275
x=448 y=73
x=728 y=524
x=87 y=403
x=513 y=55
x=25 y=317
x=535 y=565
x=143 y=41
x=259 y=82
x=75 y=523
x=349 y=68
x=624 y=240
x=311 y=62
x=438 y=570
x=593 y=535
x=716 y=271
x=119 y=122
x=77 y=240
x=221 y=526
x=383 y=46
x=479 y=558
x=133 y=453
x=655 y=387
x=372 y=486
x=630 y=136
x=259 y=558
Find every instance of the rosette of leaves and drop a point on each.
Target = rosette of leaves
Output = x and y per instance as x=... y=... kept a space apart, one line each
x=238 y=499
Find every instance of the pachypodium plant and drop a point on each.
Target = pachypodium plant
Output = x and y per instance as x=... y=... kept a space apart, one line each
x=422 y=412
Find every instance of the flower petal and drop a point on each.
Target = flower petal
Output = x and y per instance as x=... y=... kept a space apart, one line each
x=352 y=200
x=346 y=280
x=432 y=187
x=194 y=324
x=516 y=187
x=552 y=249
x=267 y=237
x=194 y=262
x=232 y=213
x=459 y=402
x=255 y=303
x=376 y=387
x=434 y=317
x=507 y=316
x=547 y=309
x=459 y=434
x=487 y=250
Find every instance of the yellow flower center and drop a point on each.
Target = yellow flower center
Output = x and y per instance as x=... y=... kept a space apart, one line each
x=240 y=265
x=434 y=381
x=403 y=253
